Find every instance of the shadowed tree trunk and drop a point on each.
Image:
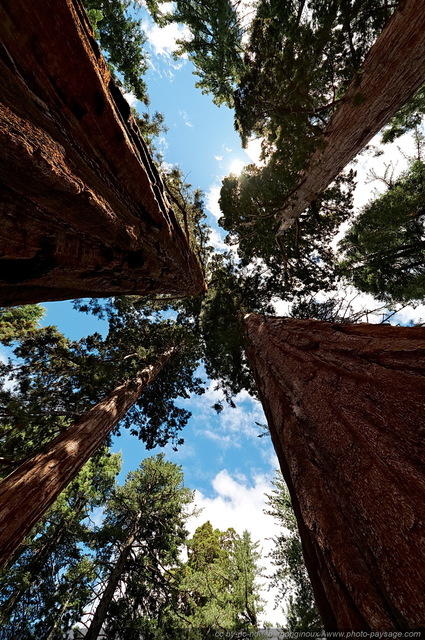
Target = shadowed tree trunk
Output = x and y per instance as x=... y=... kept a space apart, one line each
x=27 y=493
x=82 y=206
x=345 y=407
x=393 y=70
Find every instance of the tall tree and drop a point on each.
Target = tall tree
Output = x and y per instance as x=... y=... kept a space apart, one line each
x=121 y=37
x=52 y=563
x=32 y=488
x=384 y=249
x=216 y=588
x=215 y=42
x=342 y=402
x=83 y=208
x=143 y=533
x=290 y=576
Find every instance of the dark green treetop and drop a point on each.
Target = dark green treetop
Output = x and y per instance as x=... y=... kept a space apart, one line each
x=139 y=541
x=384 y=249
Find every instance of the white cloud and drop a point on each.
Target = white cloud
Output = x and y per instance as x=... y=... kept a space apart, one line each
x=216 y=240
x=410 y=314
x=211 y=200
x=131 y=99
x=396 y=156
x=164 y=40
x=233 y=425
x=238 y=504
x=218 y=158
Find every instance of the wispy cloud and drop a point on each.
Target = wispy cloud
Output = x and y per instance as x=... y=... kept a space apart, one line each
x=186 y=119
x=163 y=40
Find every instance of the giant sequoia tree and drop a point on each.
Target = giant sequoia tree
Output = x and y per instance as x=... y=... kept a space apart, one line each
x=57 y=382
x=343 y=404
x=82 y=205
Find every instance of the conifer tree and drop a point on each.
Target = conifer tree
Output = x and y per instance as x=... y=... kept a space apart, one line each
x=46 y=586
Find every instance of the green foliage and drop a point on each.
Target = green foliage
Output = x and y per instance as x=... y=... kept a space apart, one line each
x=154 y=505
x=16 y=322
x=303 y=261
x=291 y=576
x=56 y=380
x=122 y=40
x=217 y=587
x=407 y=118
x=214 y=45
x=50 y=579
x=385 y=246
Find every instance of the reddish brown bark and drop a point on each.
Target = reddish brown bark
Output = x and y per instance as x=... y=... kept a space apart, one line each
x=393 y=70
x=30 y=490
x=82 y=206
x=345 y=407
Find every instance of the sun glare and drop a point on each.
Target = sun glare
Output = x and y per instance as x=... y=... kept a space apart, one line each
x=236 y=167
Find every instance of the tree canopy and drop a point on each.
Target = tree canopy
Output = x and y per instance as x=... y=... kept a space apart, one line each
x=384 y=248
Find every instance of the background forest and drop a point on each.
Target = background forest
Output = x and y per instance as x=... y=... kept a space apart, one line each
x=126 y=548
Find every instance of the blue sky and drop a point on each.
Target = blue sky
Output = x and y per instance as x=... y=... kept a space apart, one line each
x=223 y=458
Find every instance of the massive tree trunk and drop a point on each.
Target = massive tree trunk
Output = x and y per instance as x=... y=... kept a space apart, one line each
x=112 y=585
x=393 y=70
x=82 y=206
x=27 y=493
x=345 y=407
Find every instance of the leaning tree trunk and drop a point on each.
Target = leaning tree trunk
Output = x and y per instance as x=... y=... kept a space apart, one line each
x=37 y=562
x=393 y=70
x=114 y=579
x=82 y=206
x=30 y=490
x=345 y=406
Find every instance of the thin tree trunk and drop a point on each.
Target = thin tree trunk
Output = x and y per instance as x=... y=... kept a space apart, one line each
x=393 y=70
x=30 y=490
x=113 y=582
x=345 y=406
x=50 y=634
x=82 y=206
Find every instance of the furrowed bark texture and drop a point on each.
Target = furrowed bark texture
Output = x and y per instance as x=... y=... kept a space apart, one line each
x=345 y=407
x=82 y=206
x=393 y=70
x=27 y=493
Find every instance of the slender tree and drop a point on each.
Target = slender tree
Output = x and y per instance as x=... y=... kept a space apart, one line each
x=32 y=488
x=45 y=588
x=143 y=532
